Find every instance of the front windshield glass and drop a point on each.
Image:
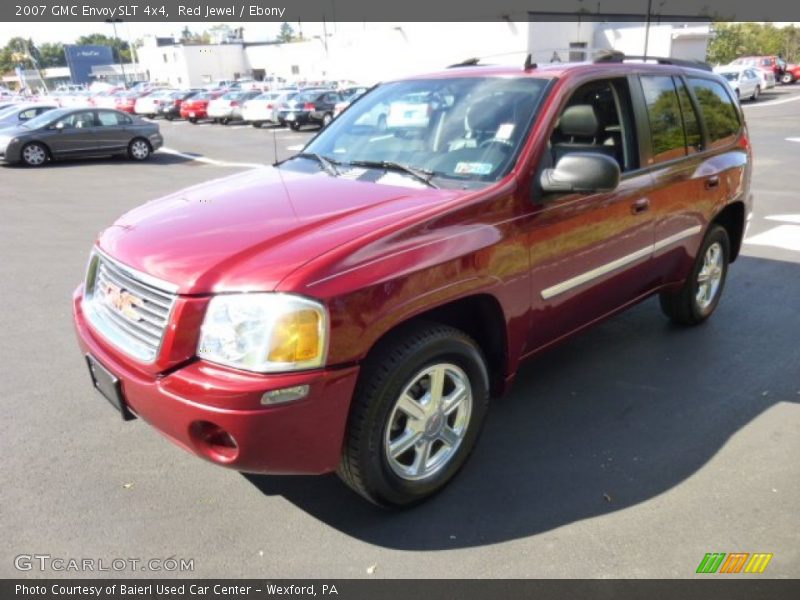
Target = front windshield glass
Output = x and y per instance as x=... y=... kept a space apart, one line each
x=455 y=129
x=730 y=76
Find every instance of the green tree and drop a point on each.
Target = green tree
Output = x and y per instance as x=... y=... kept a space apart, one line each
x=52 y=55
x=732 y=40
x=286 y=33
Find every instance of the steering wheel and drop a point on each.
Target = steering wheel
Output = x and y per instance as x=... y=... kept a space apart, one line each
x=490 y=141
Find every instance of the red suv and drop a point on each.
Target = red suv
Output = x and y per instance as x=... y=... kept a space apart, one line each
x=355 y=307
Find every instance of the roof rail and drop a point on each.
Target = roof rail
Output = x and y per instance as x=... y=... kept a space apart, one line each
x=614 y=57
x=475 y=61
x=470 y=62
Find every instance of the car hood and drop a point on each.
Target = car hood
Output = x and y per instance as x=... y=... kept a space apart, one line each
x=249 y=231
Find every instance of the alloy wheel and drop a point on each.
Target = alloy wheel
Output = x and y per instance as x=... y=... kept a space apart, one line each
x=428 y=422
x=710 y=276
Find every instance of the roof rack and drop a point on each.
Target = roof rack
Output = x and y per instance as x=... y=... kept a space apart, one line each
x=614 y=57
x=475 y=61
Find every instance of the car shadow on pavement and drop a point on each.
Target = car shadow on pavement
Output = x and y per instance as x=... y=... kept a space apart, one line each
x=157 y=158
x=610 y=419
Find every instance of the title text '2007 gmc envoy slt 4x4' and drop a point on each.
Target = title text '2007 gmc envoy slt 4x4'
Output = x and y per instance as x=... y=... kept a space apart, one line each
x=355 y=307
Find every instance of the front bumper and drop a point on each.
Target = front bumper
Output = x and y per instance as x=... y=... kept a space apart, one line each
x=304 y=436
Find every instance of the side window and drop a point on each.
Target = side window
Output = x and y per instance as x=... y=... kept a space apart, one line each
x=107 y=119
x=717 y=109
x=691 y=124
x=27 y=114
x=598 y=118
x=664 y=113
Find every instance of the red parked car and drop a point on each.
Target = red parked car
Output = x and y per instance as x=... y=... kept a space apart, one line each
x=355 y=307
x=784 y=72
x=196 y=108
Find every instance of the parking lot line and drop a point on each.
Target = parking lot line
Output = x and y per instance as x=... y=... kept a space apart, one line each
x=212 y=161
x=794 y=98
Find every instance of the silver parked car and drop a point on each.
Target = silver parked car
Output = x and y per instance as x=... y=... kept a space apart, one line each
x=73 y=132
x=17 y=114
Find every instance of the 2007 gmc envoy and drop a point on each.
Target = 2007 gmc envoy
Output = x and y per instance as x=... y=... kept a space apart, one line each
x=355 y=307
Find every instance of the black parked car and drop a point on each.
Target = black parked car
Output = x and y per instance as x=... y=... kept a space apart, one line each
x=72 y=132
x=314 y=107
x=172 y=109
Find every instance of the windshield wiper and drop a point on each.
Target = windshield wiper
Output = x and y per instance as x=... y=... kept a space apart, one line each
x=423 y=175
x=328 y=164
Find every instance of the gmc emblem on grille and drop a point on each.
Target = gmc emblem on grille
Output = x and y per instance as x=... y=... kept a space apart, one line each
x=122 y=301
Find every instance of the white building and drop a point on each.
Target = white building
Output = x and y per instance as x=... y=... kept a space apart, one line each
x=581 y=40
x=191 y=65
x=373 y=52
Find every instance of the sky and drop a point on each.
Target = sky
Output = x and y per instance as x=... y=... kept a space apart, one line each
x=69 y=32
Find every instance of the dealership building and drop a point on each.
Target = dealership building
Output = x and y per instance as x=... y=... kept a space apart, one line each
x=360 y=52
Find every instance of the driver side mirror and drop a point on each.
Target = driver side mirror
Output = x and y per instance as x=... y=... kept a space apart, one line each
x=58 y=126
x=584 y=172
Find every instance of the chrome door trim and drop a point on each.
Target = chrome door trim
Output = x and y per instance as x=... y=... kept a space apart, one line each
x=583 y=278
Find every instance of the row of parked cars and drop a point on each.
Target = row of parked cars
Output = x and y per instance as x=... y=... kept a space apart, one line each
x=314 y=104
x=749 y=76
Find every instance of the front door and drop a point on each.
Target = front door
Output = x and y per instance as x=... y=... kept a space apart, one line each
x=591 y=254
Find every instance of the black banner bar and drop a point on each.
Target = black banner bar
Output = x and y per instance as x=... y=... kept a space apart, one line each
x=407 y=10
x=715 y=587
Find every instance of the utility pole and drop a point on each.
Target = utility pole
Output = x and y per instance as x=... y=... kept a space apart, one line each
x=647 y=27
x=119 y=54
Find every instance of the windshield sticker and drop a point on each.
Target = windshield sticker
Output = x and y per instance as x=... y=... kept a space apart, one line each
x=504 y=131
x=473 y=168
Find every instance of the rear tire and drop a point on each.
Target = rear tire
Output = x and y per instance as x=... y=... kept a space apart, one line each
x=701 y=292
x=756 y=93
x=326 y=119
x=193 y=120
x=294 y=126
x=407 y=435
x=139 y=149
x=257 y=124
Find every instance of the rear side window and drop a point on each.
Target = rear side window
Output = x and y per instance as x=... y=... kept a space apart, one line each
x=718 y=110
x=664 y=113
x=691 y=124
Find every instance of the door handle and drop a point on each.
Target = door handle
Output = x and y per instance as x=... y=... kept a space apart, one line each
x=712 y=182
x=640 y=206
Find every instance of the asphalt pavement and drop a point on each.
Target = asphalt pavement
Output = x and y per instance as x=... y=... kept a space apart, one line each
x=630 y=451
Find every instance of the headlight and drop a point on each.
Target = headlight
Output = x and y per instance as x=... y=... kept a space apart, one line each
x=266 y=332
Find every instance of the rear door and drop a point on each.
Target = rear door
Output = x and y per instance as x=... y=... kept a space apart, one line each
x=693 y=126
x=111 y=134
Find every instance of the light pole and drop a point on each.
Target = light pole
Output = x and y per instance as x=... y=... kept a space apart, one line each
x=647 y=27
x=119 y=54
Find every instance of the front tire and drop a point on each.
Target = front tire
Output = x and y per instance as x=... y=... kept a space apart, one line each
x=257 y=124
x=787 y=78
x=756 y=93
x=34 y=154
x=417 y=412
x=700 y=294
x=139 y=149
x=193 y=120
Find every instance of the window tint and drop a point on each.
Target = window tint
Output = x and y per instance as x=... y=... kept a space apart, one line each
x=717 y=109
x=691 y=124
x=108 y=119
x=664 y=113
x=27 y=114
x=79 y=120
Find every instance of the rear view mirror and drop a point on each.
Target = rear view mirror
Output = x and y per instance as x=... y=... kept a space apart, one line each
x=582 y=172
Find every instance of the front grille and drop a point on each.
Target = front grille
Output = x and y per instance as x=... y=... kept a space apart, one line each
x=130 y=309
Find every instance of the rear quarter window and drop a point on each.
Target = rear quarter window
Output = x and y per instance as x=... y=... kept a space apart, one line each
x=718 y=110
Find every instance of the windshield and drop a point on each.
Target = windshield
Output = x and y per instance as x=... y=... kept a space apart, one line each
x=730 y=75
x=456 y=130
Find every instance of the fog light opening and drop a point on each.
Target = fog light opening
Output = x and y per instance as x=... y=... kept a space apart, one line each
x=214 y=441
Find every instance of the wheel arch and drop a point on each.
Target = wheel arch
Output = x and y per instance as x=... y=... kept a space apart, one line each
x=732 y=218
x=481 y=317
